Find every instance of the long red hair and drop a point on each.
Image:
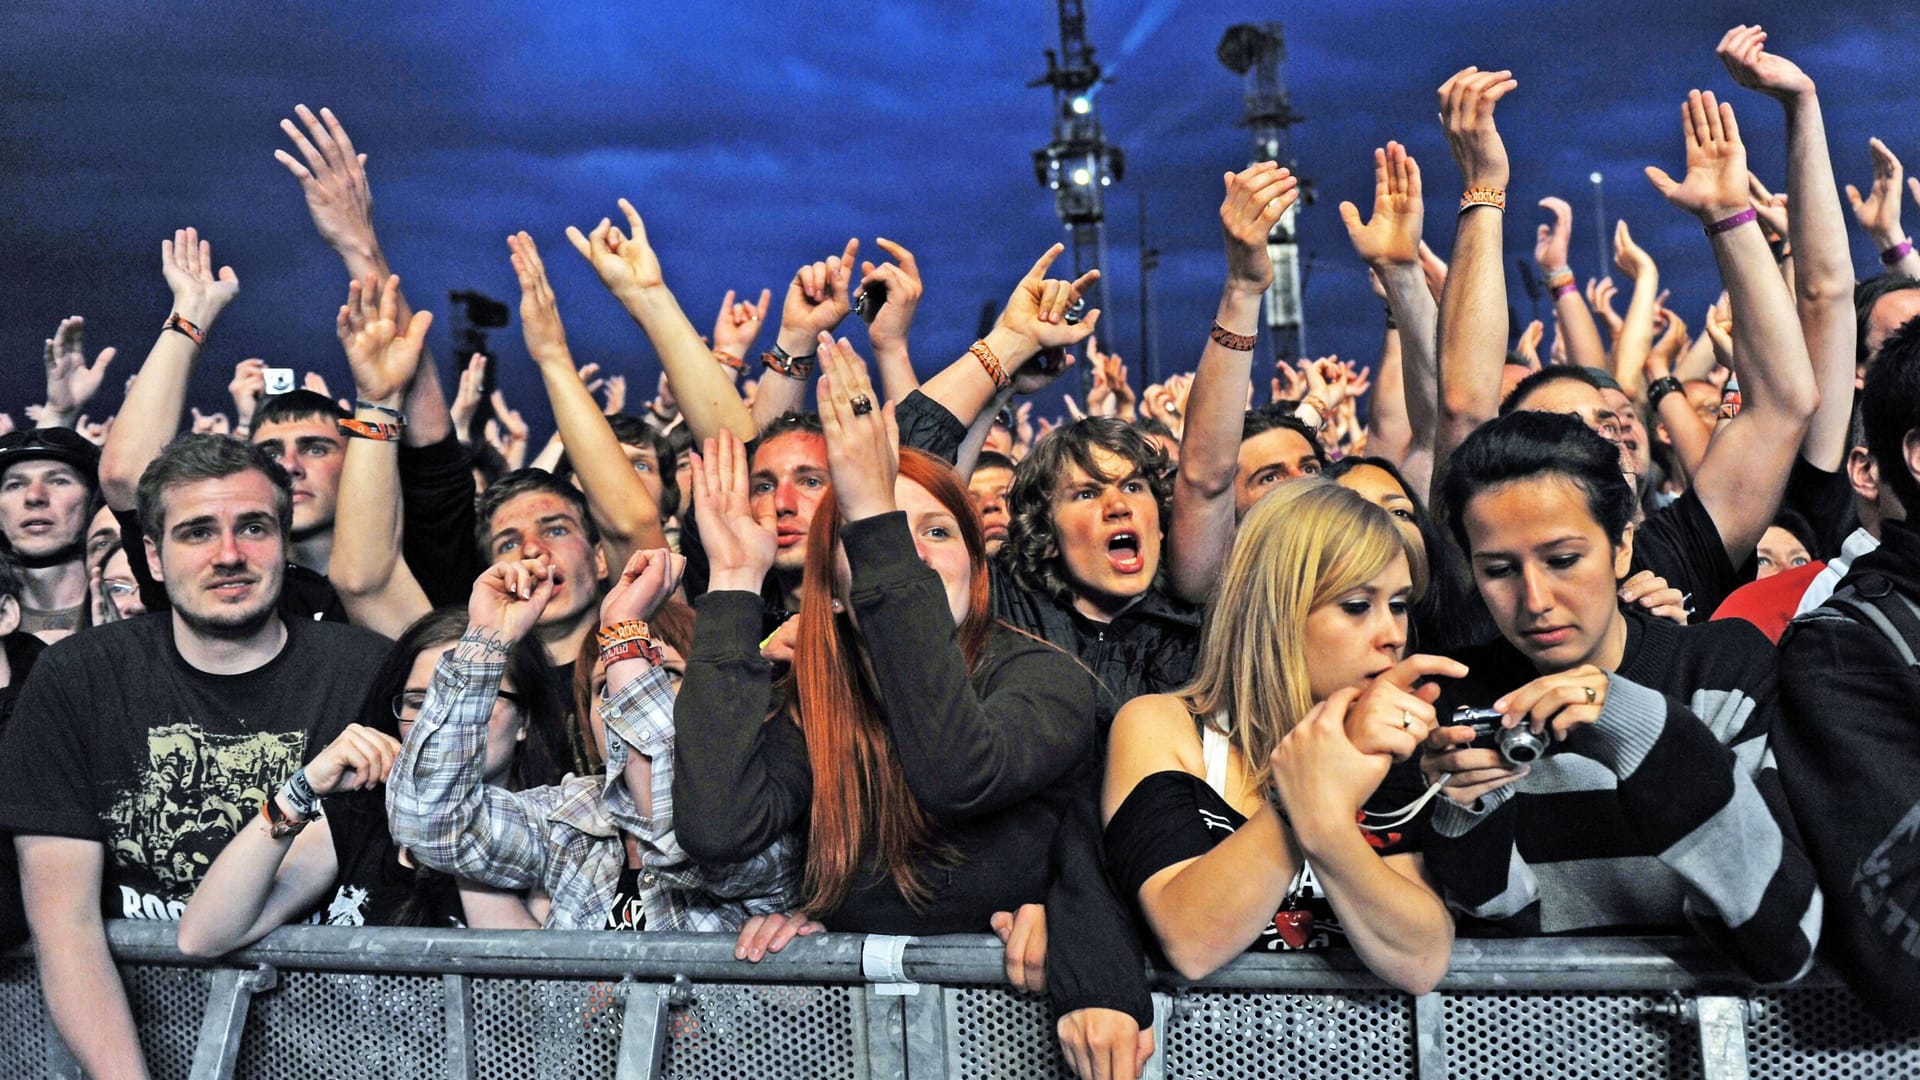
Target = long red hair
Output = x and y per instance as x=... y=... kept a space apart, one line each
x=860 y=795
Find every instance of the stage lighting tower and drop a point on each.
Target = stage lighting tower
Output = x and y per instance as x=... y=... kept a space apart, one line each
x=1256 y=51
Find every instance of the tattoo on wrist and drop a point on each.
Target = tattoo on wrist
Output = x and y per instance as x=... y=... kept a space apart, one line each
x=488 y=641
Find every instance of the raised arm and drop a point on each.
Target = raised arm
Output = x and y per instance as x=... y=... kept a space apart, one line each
x=1200 y=530
x=71 y=381
x=1390 y=244
x=159 y=396
x=1635 y=337
x=1577 y=328
x=1744 y=475
x=333 y=178
x=631 y=271
x=1473 y=303
x=1879 y=211
x=628 y=517
x=374 y=583
x=887 y=328
x=818 y=297
x=1817 y=229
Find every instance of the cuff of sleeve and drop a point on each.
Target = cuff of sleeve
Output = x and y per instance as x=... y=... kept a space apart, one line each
x=878 y=543
x=925 y=424
x=1139 y=1005
x=728 y=626
x=446 y=455
x=1630 y=723
x=641 y=713
x=1452 y=820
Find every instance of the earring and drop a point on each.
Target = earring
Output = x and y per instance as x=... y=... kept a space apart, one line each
x=838 y=607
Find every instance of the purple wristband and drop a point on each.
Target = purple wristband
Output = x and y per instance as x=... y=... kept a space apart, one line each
x=1734 y=222
x=1897 y=252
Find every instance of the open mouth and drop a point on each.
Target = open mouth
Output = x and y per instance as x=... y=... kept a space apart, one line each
x=1123 y=552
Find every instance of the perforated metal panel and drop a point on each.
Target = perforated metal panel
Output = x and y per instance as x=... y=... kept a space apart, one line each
x=316 y=1026
x=1244 y=1036
x=24 y=1034
x=167 y=1004
x=1824 y=1035
x=993 y=1032
x=765 y=1033
x=1500 y=1036
x=530 y=1028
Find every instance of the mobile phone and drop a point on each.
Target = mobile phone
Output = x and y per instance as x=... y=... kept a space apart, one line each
x=867 y=302
x=279 y=380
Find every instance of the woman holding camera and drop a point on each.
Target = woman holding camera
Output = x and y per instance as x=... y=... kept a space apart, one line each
x=1658 y=805
x=1231 y=806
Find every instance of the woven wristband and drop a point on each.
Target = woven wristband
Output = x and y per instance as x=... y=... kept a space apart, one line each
x=793 y=367
x=1483 y=196
x=1561 y=282
x=995 y=370
x=179 y=325
x=1897 y=252
x=727 y=359
x=367 y=429
x=1227 y=339
x=1734 y=222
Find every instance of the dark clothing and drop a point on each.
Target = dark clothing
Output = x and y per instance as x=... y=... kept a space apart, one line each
x=372 y=887
x=1680 y=543
x=994 y=758
x=1825 y=499
x=437 y=509
x=118 y=739
x=1664 y=812
x=304 y=595
x=1849 y=751
x=22 y=650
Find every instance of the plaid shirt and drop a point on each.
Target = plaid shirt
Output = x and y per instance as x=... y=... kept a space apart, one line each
x=565 y=838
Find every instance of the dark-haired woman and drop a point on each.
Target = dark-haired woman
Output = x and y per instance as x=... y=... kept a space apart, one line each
x=1658 y=805
x=926 y=752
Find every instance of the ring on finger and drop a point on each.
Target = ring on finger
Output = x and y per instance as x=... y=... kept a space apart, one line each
x=862 y=405
x=1406 y=720
x=1591 y=695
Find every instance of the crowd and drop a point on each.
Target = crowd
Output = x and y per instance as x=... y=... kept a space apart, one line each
x=1614 y=635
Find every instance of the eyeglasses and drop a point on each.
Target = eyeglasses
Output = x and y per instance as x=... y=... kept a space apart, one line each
x=407 y=703
x=122 y=588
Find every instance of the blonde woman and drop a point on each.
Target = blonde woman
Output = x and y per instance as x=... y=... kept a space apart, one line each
x=1232 y=807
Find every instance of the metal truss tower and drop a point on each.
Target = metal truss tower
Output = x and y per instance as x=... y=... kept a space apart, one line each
x=1257 y=52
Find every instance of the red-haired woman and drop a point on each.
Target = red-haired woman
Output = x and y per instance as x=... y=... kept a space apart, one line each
x=926 y=751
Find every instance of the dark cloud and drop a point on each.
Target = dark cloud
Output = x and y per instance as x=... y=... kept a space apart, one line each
x=758 y=136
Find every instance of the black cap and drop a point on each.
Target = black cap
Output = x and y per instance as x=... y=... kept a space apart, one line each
x=51 y=444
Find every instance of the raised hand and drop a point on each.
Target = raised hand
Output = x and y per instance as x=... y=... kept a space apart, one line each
x=71 y=381
x=1631 y=258
x=1879 y=211
x=1744 y=51
x=199 y=294
x=334 y=180
x=1529 y=344
x=820 y=294
x=1771 y=209
x=315 y=382
x=649 y=578
x=358 y=759
x=1550 y=241
x=1600 y=294
x=1673 y=341
x=626 y=264
x=1715 y=187
x=509 y=596
x=1435 y=269
x=1290 y=383
x=616 y=394
x=1256 y=198
x=466 y=400
x=1114 y=370
x=539 y=313
x=888 y=331
x=248 y=386
x=1099 y=394
x=739 y=548
x=738 y=324
x=863 y=442
x=1466 y=115
x=507 y=432
x=1392 y=236
x=382 y=355
x=213 y=423
x=1036 y=312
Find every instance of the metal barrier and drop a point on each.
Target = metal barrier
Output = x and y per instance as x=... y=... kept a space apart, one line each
x=325 y=1002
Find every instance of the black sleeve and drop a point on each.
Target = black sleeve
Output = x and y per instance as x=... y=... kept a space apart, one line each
x=1680 y=543
x=1403 y=786
x=153 y=595
x=1095 y=954
x=740 y=780
x=1825 y=499
x=964 y=751
x=437 y=515
x=46 y=763
x=1158 y=825
x=925 y=424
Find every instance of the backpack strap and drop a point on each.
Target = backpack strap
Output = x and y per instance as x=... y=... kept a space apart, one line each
x=1874 y=601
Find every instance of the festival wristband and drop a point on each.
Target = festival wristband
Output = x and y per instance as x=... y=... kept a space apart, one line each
x=1483 y=196
x=368 y=429
x=994 y=368
x=727 y=359
x=784 y=362
x=1227 y=339
x=1726 y=224
x=1897 y=252
x=399 y=417
x=179 y=325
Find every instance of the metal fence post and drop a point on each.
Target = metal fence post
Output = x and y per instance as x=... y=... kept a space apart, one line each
x=886 y=1035
x=459 y=1014
x=1156 y=1067
x=1430 y=1036
x=925 y=1022
x=643 y=1032
x=226 y=1016
x=1722 y=1025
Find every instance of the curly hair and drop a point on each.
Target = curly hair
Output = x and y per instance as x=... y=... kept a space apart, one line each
x=1032 y=546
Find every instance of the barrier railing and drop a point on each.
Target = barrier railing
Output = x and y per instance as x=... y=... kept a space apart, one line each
x=467 y=1005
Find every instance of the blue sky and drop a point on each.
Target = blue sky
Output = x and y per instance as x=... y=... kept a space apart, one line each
x=754 y=137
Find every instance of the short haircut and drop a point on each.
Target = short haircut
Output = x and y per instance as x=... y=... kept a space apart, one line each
x=680 y=439
x=296 y=405
x=1866 y=294
x=1890 y=408
x=526 y=482
x=1148 y=425
x=787 y=423
x=190 y=459
x=1543 y=377
x=990 y=459
x=1797 y=525
x=631 y=431
x=1034 y=547
x=1524 y=445
x=1280 y=415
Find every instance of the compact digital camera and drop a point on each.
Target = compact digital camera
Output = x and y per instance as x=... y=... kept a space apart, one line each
x=1517 y=744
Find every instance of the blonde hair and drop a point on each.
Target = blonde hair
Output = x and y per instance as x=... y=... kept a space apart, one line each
x=1299 y=547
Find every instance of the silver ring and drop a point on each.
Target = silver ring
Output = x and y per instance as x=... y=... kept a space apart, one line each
x=1406 y=720
x=862 y=405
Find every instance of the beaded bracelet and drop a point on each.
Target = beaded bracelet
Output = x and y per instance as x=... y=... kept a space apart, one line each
x=1483 y=196
x=995 y=370
x=1226 y=338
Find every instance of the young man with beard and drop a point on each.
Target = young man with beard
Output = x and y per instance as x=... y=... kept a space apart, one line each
x=46 y=489
x=136 y=751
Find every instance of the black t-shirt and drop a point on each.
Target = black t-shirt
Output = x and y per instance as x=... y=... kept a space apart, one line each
x=1681 y=543
x=627 y=913
x=373 y=888
x=116 y=738
x=1825 y=499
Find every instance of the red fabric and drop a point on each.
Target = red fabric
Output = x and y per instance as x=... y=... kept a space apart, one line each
x=1770 y=603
